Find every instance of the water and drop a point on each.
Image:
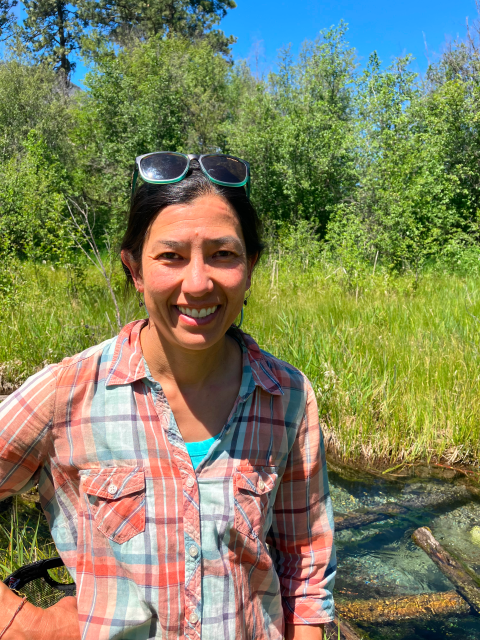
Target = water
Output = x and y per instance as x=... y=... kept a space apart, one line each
x=380 y=560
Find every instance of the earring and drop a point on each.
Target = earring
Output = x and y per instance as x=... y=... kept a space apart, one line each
x=247 y=297
x=241 y=319
x=141 y=303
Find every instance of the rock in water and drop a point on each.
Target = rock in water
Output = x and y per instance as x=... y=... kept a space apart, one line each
x=475 y=535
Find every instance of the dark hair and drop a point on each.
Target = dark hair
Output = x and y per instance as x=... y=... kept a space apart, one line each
x=149 y=200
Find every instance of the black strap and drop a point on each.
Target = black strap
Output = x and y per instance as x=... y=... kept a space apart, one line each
x=21 y=577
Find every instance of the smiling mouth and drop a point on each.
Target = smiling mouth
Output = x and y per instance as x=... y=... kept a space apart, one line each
x=197 y=313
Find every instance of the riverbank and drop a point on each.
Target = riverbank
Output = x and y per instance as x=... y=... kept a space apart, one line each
x=393 y=361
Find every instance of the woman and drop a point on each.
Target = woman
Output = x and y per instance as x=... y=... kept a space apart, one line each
x=169 y=457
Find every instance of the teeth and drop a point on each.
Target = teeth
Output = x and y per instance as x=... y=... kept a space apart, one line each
x=195 y=313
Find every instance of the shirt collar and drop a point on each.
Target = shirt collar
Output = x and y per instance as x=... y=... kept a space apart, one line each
x=253 y=359
x=128 y=364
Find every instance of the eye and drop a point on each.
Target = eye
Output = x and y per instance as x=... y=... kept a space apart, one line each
x=170 y=255
x=224 y=253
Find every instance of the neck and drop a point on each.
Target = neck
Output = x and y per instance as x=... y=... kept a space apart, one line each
x=187 y=367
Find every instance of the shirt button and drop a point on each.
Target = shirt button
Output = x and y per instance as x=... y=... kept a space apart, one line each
x=193 y=551
x=261 y=485
x=190 y=482
x=112 y=489
x=193 y=619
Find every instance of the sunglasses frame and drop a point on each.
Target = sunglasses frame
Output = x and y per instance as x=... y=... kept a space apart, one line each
x=190 y=156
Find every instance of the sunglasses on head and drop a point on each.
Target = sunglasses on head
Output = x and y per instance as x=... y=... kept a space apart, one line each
x=166 y=167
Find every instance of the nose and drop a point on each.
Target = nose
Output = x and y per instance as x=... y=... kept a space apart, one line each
x=196 y=279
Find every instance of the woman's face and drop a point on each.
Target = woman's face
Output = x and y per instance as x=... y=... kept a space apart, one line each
x=194 y=272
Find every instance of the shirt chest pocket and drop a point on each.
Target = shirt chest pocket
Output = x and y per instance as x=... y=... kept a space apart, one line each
x=252 y=486
x=116 y=499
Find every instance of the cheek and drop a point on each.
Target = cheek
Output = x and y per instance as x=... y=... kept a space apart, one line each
x=160 y=281
x=233 y=280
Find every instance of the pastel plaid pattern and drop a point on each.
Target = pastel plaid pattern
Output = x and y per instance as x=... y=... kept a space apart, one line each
x=157 y=550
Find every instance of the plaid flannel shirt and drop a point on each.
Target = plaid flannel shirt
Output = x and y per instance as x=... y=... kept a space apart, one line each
x=157 y=550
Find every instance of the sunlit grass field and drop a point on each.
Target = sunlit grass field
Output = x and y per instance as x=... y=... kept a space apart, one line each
x=394 y=361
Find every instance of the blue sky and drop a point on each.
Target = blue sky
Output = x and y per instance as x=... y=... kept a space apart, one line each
x=391 y=28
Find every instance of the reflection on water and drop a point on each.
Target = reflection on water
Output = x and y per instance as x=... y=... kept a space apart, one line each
x=380 y=559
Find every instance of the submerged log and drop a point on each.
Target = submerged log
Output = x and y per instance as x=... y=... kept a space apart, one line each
x=420 y=607
x=355 y=519
x=347 y=632
x=455 y=572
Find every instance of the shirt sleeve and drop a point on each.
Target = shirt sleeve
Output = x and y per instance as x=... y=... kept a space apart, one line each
x=301 y=535
x=25 y=420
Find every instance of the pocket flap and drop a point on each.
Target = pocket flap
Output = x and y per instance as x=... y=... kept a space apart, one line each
x=114 y=482
x=258 y=480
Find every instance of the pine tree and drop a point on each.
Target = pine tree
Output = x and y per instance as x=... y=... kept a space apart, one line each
x=53 y=30
x=122 y=20
x=7 y=18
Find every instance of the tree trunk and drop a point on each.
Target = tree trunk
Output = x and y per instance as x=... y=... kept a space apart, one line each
x=458 y=576
x=64 y=62
x=386 y=610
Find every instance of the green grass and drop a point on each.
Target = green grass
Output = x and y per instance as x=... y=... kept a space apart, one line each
x=394 y=362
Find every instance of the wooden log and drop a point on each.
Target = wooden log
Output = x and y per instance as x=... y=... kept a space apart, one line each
x=354 y=519
x=347 y=631
x=420 y=607
x=465 y=585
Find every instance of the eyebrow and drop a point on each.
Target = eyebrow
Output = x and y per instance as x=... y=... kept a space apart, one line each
x=175 y=244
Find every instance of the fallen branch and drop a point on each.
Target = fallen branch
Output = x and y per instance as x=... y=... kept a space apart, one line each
x=386 y=610
x=356 y=519
x=451 y=568
x=392 y=509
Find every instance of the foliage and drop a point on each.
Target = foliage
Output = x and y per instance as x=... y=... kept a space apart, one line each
x=32 y=202
x=6 y=17
x=53 y=29
x=296 y=130
x=162 y=94
x=32 y=97
x=417 y=170
x=124 y=22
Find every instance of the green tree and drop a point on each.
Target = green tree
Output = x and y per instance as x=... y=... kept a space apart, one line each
x=165 y=93
x=53 y=30
x=122 y=20
x=296 y=130
x=417 y=191
x=31 y=97
x=7 y=18
x=32 y=203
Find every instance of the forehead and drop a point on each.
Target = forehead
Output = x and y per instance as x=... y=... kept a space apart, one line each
x=204 y=218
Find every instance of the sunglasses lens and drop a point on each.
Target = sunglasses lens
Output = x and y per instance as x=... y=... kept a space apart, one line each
x=225 y=169
x=163 y=166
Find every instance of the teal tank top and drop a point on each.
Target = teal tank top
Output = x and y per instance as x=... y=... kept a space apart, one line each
x=198 y=450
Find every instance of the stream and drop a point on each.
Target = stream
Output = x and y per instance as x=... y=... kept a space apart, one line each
x=380 y=560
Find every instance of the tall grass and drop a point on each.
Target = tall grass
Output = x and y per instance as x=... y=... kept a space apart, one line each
x=394 y=361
